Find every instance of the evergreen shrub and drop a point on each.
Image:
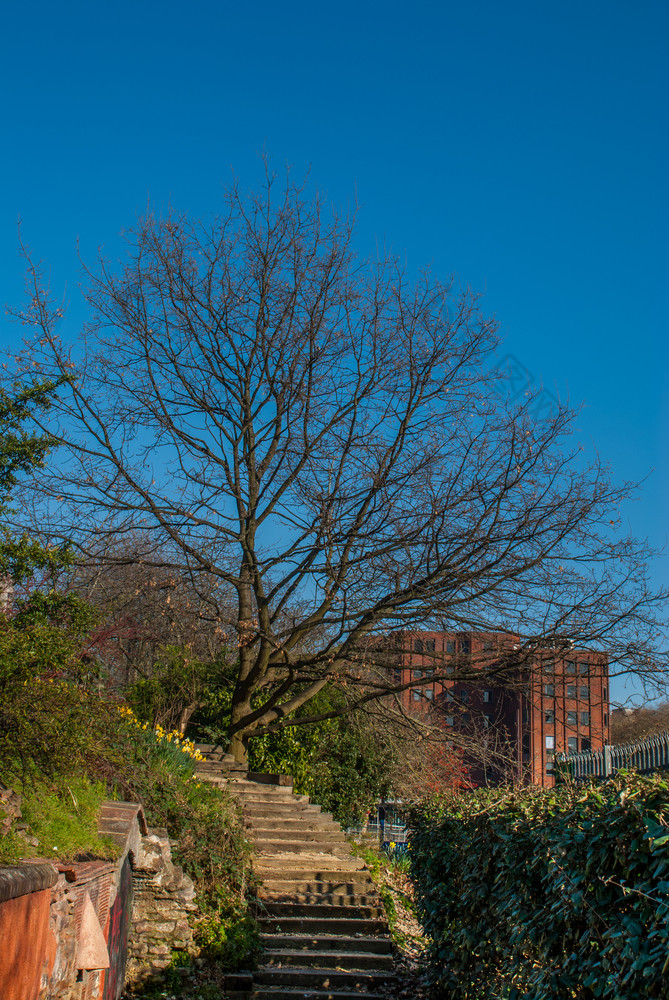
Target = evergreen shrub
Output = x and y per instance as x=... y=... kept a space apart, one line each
x=536 y=893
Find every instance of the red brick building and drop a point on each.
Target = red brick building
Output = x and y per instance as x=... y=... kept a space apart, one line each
x=521 y=715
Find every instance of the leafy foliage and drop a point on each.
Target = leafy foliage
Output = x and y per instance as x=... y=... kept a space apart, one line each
x=344 y=763
x=538 y=893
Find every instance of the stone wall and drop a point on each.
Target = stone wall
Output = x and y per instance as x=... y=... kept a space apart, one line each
x=163 y=898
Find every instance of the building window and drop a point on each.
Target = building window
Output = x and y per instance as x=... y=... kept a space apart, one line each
x=550 y=767
x=466 y=717
x=429 y=693
x=487 y=719
x=585 y=744
x=584 y=669
x=464 y=696
x=487 y=646
x=549 y=690
x=449 y=720
x=572 y=744
x=416 y=695
x=429 y=672
x=606 y=719
x=487 y=697
x=429 y=645
x=417 y=674
x=549 y=667
x=450 y=646
x=571 y=667
x=585 y=718
x=571 y=718
x=583 y=693
x=465 y=646
x=604 y=694
x=449 y=694
x=550 y=743
x=571 y=690
x=418 y=646
x=550 y=718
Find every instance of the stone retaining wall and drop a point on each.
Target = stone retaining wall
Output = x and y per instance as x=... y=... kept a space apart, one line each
x=163 y=898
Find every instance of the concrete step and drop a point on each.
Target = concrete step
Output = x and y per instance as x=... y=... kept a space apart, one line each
x=320 y=898
x=333 y=979
x=300 y=819
x=270 y=848
x=325 y=942
x=346 y=885
x=244 y=786
x=330 y=911
x=295 y=993
x=346 y=960
x=295 y=823
x=293 y=807
x=322 y=925
x=305 y=834
x=312 y=866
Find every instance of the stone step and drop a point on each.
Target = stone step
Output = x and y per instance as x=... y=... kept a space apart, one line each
x=295 y=823
x=305 y=834
x=276 y=846
x=345 y=885
x=323 y=925
x=320 y=898
x=282 y=793
x=295 y=993
x=344 y=960
x=297 y=816
x=312 y=866
x=306 y=979
x=329 y=911
x=292 y=807
x=323 y=942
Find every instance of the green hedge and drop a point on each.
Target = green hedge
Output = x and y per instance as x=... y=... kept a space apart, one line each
x=547 y=893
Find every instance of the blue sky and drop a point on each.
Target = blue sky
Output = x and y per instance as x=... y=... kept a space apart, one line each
x=521 y=146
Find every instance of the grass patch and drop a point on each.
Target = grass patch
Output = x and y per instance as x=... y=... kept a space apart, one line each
x=62 y=815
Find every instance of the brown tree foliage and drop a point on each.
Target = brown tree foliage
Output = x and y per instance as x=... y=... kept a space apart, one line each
x=632 y=724
x=327 y=439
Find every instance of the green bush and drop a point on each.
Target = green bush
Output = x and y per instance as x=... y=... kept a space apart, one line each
x=547 y=893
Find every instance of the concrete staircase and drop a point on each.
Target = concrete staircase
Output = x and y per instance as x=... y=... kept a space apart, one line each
x=322 y=924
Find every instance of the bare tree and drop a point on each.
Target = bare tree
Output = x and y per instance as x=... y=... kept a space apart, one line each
x=328 y=440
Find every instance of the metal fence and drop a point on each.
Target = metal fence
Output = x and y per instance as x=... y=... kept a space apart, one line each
x=649 y=754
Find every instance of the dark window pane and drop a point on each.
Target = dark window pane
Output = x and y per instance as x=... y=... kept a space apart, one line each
x=418 y=646
x=465 y=646
x=571 y=667
x=450 y=646
x=429 y=645
x=549 y=690
x=572 y=743
x=571 y=718
x=583 y=693
x=464 y=696
x=584 y=669
x=571 y=690
x=585 y=718
x=550 y=718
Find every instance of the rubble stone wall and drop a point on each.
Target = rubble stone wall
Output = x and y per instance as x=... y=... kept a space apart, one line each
x=163 y=898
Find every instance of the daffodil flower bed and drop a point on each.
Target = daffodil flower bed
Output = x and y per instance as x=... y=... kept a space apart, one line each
x=171 y=743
